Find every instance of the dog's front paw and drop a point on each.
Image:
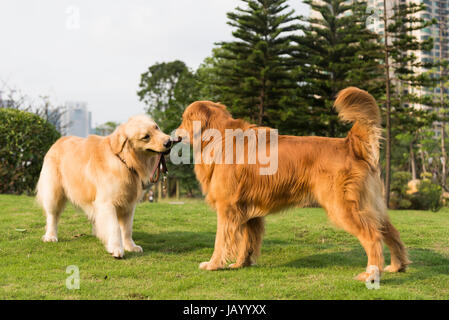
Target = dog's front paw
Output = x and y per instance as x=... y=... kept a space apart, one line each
x=134 y=248
x=362 y=276
x=207 y=265
x=372 y=274
x=117 y=253
x=49 y=238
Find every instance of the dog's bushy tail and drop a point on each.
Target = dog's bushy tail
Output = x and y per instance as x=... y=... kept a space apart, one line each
x=358 y=106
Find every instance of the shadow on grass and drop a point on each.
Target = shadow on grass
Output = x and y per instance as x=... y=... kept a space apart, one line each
x=425 y=263
x=354 y=258
x=182 y=241
x=174 y=242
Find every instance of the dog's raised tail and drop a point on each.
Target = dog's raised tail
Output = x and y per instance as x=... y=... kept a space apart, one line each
x=358 y=106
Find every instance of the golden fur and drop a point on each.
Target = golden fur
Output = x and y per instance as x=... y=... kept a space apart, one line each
x=341 y=174
x=103 y=176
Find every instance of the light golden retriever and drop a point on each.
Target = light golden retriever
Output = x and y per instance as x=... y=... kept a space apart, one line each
x=104 y=176
x=341 y=174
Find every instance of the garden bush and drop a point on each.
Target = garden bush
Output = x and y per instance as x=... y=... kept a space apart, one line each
x=399 y=198
x=429 y=194
x=24 y=140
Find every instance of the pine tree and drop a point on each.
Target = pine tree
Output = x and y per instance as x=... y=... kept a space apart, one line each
x=405 y=78
x=253 y=71
x=441 y=77
x=336 y=51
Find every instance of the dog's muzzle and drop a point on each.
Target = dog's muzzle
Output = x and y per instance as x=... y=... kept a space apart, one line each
x=170 y=144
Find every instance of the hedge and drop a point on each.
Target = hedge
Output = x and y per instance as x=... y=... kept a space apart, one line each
x=24 y=140
x=428 y=196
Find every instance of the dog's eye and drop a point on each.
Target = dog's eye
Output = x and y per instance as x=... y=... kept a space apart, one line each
x=146 y=137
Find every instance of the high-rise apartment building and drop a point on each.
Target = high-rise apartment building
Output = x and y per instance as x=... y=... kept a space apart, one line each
x=435 y=9
x=76 y=119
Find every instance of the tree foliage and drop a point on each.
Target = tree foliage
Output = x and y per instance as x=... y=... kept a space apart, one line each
x=335 y=51
x=167 y=89
x=404 y=112
x=253 y=72
x=106 y=128
x=284 y=71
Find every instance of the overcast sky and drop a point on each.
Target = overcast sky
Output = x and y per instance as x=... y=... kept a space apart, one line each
x=46 y=50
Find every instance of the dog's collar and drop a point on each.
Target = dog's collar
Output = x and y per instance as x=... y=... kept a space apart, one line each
x=126 y=165
x=159 y=166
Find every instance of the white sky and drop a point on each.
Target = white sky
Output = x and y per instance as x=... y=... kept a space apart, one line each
x=44 y=50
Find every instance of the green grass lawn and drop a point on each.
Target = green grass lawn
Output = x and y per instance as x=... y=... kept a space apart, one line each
x=303 y=257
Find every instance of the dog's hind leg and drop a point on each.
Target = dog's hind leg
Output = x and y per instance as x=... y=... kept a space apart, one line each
x=365 y=227
x=371 y=240
x=250 y=242
x=51 y=197
x=399 y=257
x=53 y=206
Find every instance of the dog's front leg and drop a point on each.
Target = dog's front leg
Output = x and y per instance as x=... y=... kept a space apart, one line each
x=218 y=259
x=125 y=220
x=108 y=229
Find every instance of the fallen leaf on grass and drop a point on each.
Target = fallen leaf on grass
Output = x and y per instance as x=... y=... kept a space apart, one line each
x=79 y=235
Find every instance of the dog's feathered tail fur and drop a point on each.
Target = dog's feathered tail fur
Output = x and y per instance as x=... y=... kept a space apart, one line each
x=358 y=106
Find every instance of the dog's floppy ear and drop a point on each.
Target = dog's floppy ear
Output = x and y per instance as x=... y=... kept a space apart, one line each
x=204 y=115
x=117 y=140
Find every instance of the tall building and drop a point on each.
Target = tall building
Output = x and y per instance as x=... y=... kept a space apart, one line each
x=435 y=9
x=76 y=119
x=439 y=10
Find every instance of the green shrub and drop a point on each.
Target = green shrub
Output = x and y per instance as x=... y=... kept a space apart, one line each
x=399 y=198
x=428 y=196
x=24 y=140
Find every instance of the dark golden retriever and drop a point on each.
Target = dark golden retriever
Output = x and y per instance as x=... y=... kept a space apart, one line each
x=341 y=174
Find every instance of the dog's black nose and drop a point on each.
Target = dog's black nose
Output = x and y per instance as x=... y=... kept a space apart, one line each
x=168 y=143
